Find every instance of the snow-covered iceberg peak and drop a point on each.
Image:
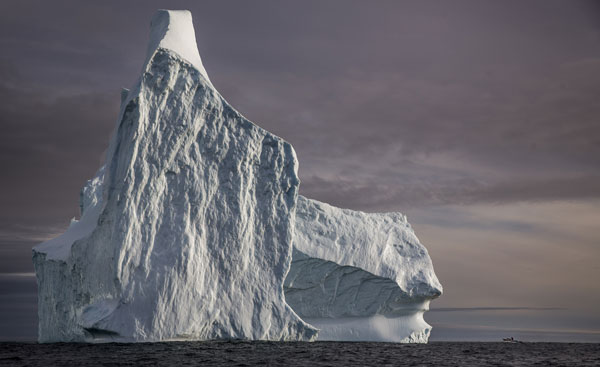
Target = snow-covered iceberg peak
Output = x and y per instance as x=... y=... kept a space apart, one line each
x=173 y=30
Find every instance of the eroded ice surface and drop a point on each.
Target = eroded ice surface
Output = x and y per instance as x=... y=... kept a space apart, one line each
x=186 y=233
x=360 y=276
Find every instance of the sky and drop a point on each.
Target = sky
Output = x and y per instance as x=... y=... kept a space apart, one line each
x=478 y=119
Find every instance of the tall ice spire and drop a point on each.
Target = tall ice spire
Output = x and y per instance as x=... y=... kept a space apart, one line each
x=174 y=30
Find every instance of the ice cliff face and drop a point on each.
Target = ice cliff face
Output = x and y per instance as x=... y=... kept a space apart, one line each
x=186 y=232
x=359 y=276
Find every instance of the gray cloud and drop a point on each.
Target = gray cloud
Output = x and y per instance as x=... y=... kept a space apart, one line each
x=478 y=309
x=377 y=194
x=48 y=148
x=18 y=307
x=410 y=104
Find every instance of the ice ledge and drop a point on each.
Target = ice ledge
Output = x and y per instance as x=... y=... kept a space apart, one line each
x=59 y=248
x=173 y=30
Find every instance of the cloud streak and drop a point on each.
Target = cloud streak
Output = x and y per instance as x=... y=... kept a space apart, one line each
x=479 y=309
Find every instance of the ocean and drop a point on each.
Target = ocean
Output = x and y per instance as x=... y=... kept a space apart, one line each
x=289 y=354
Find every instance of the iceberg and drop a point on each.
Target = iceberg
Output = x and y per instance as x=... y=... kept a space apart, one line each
x=360 y=276
x=193 y=229
x=186 y=232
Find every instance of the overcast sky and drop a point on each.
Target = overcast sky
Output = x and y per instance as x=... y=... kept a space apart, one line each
x=478 y=119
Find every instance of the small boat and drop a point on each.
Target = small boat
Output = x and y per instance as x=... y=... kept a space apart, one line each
x=510 y=340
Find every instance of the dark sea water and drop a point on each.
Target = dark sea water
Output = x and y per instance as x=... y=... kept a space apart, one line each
x=300 y=354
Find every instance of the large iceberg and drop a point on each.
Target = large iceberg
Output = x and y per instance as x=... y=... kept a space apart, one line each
x=189 y=231
x=360 y=276
x=186 y=233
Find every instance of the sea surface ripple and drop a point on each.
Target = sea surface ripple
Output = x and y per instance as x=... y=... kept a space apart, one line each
x=243 y=353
